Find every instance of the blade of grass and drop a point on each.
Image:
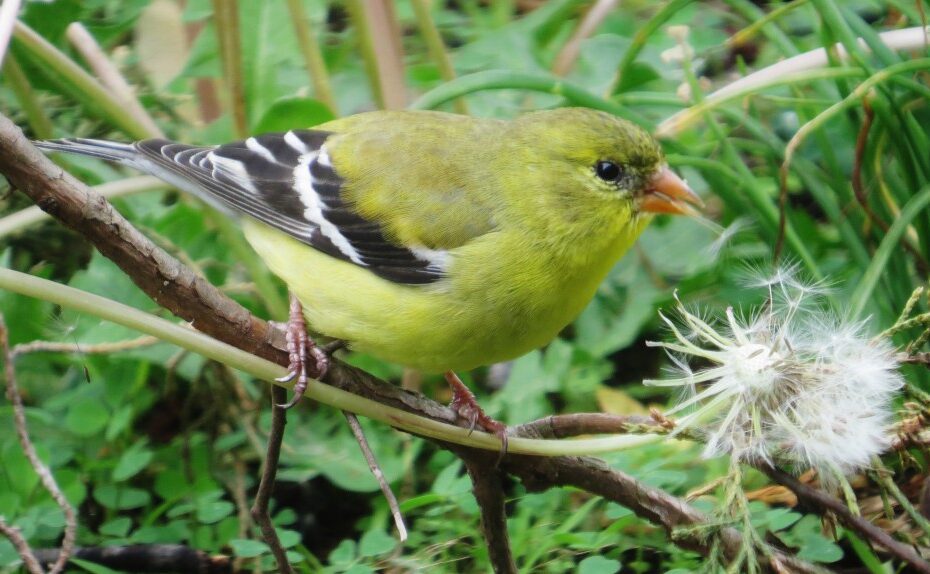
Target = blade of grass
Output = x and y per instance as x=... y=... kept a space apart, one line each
x=436 y=48
x=109 y=76
x=866 y=285
x=313 y=57
x=641 y=37
x=226 y=25
x=510 y=80
x=28 y=101
x=764 y=22
x=906 y=39
x=852 y=99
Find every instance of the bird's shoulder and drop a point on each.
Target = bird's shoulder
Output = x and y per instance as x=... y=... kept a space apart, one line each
x=423 y=176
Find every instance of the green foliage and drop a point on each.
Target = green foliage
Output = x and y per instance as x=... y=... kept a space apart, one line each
x=154 y=445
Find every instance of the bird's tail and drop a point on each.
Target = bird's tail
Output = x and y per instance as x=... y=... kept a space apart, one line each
x=110 y=151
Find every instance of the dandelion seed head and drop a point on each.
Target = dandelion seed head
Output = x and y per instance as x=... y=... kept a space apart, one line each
x=787 y=381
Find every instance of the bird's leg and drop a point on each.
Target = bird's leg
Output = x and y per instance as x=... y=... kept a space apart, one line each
x=302 y=350
x=464 y=404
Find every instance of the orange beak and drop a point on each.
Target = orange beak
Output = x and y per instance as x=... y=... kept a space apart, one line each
x=668 y=193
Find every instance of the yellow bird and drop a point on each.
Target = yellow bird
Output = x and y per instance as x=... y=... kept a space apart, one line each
x=437 y=241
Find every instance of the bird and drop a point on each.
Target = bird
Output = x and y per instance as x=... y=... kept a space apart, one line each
x=437 y=241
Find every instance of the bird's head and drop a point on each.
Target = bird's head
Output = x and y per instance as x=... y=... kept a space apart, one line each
x=600 y=165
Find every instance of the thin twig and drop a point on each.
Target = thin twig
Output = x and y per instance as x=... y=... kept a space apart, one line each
x=375 y=469
x=110 y=76
x=259 y=510
x=486 y=480
x=95 y=349
x=22 y=433
x=32 y=564
x=380 y=44
x=822 y=501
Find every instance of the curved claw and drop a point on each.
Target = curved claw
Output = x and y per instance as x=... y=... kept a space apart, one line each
x=294 y=400
x=466 y=406
x=301 y=349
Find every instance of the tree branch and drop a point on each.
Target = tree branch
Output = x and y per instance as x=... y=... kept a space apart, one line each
x=486 y=480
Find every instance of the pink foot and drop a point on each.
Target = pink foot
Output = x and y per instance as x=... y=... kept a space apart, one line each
x=464 y=404
x=301 y=349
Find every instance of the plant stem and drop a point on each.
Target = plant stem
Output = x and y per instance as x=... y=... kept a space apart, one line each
x=202 y=344
x=313 y=56
x=437 y=48
x=22 y=89
x=81 y=85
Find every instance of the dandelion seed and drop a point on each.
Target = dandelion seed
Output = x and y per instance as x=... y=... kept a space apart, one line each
x=790 y=382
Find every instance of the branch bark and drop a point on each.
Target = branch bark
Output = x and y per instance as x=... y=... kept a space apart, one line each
x=178 y=289
x=486 y=479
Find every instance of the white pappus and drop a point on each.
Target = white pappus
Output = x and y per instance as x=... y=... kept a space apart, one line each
x=792 y=382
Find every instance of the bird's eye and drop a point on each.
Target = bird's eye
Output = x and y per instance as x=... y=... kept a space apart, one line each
x=608 y=171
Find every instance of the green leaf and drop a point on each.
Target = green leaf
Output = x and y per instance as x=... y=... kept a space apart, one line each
x=87 y=417
x=288 y=538
x=118 y=527
x=614 y=511
x=210 y=512
x=820 y=550
x=637 y=74
x=93 y=567
x=132 y=461
x=449 y=482
x=17 y=469
x=781 y=518
x=171 y=484
x=248 y=548
x=375 y=542
x=121 y=498
x=119 y=422
x=344 y=553
x=175 y=532
x=598 y=565
x=287 y=113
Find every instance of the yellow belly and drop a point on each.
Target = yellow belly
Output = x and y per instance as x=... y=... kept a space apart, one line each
x=476 y=316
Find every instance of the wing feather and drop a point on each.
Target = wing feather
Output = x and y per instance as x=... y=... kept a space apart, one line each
x=286 y=180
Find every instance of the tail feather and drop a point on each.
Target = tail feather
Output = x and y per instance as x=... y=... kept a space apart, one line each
x=110 y=151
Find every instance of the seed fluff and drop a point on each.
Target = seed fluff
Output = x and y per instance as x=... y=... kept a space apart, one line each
x=791 y=382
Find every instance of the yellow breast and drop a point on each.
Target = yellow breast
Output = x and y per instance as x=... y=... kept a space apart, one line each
x=492 y=307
